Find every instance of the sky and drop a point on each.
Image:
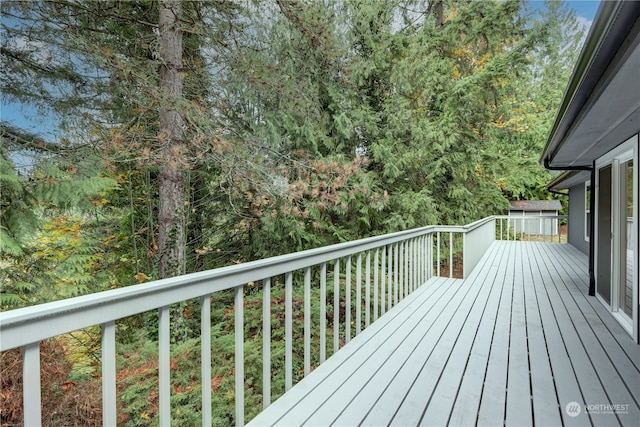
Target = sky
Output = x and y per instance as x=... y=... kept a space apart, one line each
x=26 y=117
x=585 y=8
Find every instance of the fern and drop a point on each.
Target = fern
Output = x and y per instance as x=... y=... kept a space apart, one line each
x=8 y=178
x=63 y=190
x=8 y=299
x=8 y=245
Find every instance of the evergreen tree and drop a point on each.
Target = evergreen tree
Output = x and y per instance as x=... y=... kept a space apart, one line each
x=51 y=228
x=109 y=71
x=442 y=67
x=526 y=111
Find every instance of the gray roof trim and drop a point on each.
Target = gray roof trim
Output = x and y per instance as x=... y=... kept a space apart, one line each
x=613 y=24
x=568 y=179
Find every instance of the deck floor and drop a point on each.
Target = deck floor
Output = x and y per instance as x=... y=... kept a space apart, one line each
x=514 y=344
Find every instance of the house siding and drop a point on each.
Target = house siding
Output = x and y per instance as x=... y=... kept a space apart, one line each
x=577 y=219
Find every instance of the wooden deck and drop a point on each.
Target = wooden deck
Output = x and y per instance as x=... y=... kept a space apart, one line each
x=514 y=344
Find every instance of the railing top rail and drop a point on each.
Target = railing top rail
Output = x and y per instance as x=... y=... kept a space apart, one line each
x=532 y=217
x=71 y=314
x=75 y=313
x=478 y=224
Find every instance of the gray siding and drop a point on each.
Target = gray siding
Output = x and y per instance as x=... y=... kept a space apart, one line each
x=576 y=218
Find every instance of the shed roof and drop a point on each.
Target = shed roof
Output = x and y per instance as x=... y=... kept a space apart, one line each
x=535 y=205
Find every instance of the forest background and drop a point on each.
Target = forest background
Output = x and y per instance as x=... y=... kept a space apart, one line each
x=197 y=134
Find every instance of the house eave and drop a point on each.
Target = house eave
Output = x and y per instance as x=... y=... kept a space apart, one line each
x=568 y=179
x=607 y=62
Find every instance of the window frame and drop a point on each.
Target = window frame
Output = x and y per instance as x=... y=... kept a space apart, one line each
x=588 y=193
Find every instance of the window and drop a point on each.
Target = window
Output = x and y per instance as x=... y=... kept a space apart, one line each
x=587 y=210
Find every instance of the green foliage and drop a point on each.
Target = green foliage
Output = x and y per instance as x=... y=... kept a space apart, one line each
x=51 y=243
x=18 y=219
x=328 y=201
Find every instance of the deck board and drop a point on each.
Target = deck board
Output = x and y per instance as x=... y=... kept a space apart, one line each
x=518 y=410
x=373 y=375
x=441 y=404
x=493 y=397
x=590 y=388
x=545 y=404
x=467 y=402
x=600 y=378
x=512 y=344
x=428 y=381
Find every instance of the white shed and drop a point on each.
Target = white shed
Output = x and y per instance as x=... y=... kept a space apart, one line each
x=538 y=209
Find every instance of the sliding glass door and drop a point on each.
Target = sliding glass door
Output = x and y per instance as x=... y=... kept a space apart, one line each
x=605 y=233
x=616 y=246
x=627 y=237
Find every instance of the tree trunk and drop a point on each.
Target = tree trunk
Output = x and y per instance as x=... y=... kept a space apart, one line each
x=439 y=11
x=171 y=214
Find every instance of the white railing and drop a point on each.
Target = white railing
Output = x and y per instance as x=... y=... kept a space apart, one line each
x=387 y=268
x=477 y=236
x=543 y=228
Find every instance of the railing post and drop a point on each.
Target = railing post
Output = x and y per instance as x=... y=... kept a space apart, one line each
x=422 y=261
x=164 y=366
x=424 y=264
x=404 y=276
x=31 y=384
x=323 y=312
x=429 y=254
x=402 y=269
x=367 y=285
x=389 y=282
x=205 y=350
x=438 y=255
x=396 y=274
x=336 y=304
x=428 y=268
x=307 y=321
x=418 y=261
x=464 y=255
x=358 y=292
x=347 y=297
x=108 y=339
x=239 y=354
x=288 y=330
x=383 y=281
x=409 y=265
x=412 y=263
x=376 y=283
x=266 y=343
x=450 y=255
